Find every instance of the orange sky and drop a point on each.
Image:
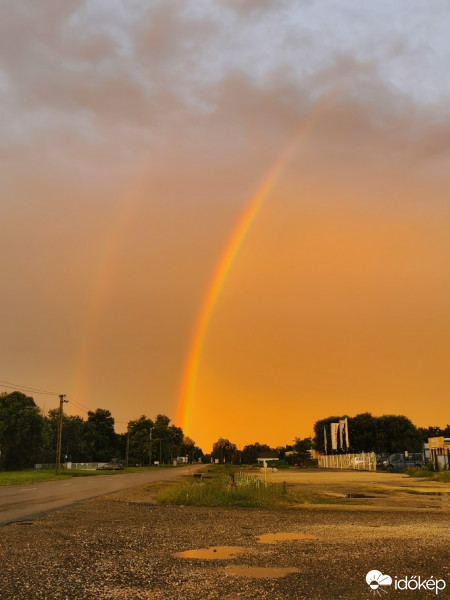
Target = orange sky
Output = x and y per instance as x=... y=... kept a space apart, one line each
x=134 y=140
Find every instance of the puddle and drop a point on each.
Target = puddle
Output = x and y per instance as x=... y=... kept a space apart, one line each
x=358 y=496
x=421 y=493
x=213 y=553
x=273 y=538
x=260 y=572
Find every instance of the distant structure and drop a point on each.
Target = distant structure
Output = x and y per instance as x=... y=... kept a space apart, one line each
x=265 y=458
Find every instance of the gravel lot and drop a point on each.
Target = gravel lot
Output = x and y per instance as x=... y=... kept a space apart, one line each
x=123 y=546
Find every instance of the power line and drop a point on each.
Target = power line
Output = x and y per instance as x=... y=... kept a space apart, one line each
x=86 y=409
x=78 y=405
x=27 y=388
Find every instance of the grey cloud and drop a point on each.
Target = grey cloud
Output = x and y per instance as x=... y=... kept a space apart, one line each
x=119 y=76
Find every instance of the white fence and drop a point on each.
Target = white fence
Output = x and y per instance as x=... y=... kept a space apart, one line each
x=365 y=461
x=92 y=466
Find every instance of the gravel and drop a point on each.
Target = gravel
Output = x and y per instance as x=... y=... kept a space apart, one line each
x=123 y=547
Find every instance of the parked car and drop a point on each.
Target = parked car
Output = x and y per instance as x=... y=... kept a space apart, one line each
x=111 y=467
x=402 y=460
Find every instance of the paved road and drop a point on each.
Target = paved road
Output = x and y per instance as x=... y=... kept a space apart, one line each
x=21 y=502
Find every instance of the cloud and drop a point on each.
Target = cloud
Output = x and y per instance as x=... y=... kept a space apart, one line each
x=127 y=68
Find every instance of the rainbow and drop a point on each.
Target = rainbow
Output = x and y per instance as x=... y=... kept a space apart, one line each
x=104 y=269
x=229 y=254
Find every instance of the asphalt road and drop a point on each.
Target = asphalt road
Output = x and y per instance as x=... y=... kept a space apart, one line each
x=21 y=502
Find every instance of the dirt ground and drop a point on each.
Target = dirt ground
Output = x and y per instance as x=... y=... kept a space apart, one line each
x=124 y=546
x=385 y=490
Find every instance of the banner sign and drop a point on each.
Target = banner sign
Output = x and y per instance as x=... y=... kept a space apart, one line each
x=334 y=435
x=347 y=439
x=342 y=433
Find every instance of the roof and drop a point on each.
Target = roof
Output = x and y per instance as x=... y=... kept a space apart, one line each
x=268 y=454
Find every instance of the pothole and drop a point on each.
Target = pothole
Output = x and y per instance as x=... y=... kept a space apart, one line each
x=273 y=538
x=260 y=572
x=213 y=553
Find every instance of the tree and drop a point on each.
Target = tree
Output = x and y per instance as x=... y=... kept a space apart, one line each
x=250 y=452
x=175 y=441
x=22 y=431
x=397 y=433
x=432 y=431
x=189 y=449
x=140 y=441
x=301 y=449
x=102 y=441
x=385 y=434
x=364 y=434
x=167 y=441
x=73 y=443
x=225 y=451
x=319 y=426
x=163 y=436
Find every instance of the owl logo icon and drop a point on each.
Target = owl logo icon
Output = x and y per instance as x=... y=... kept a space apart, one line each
x=376 y=581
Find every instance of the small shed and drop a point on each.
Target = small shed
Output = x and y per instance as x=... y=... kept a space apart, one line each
x=267 y=458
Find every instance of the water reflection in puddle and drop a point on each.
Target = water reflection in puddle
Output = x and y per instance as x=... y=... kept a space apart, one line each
x=260 y=572
x=273 y=538
x=213 y=553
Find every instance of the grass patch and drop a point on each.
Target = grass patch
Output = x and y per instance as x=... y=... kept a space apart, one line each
x=224 y=486
x=8 y=478
x=214 y=494
x=443 y=476
x=29 y=476
x=378 y=490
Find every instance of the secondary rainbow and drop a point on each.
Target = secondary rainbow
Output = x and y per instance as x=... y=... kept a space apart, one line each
x=229 y=254
x=104 y=269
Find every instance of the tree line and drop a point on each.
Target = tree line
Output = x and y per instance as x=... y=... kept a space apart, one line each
x=27 y=437
x=387 y=434
x=297 y=453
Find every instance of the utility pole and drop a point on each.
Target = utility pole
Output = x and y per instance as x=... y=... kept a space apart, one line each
x=150 y=447
x=62 y=399
x=127 y=451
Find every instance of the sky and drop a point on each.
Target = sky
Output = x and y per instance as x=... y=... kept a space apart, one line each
x=231 y=212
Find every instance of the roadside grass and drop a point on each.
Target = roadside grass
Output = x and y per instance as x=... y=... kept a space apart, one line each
x=424 y=492
x=378 y=490
x=9 y=478
x=224 y=486
x=443 y=476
